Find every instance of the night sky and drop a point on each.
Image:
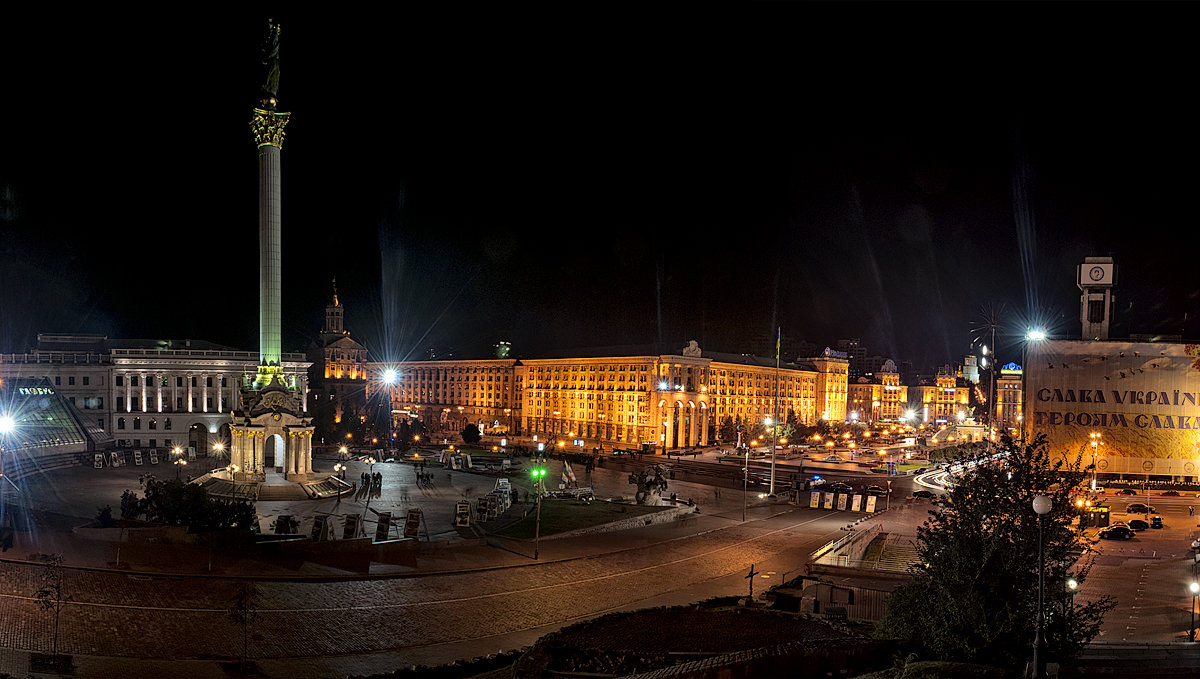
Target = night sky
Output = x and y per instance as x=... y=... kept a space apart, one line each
x=577 y=175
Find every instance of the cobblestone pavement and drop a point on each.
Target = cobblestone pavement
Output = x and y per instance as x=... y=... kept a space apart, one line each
x=462 y=600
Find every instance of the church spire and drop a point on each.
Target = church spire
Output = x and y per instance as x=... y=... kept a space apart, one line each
x=333 y=315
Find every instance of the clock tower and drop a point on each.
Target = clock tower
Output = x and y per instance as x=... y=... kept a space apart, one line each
x=1096 y=277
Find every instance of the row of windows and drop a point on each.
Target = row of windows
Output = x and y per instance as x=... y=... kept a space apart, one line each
x=137 y=424
x=71 y=380
x=134 y=381
x=135 y=405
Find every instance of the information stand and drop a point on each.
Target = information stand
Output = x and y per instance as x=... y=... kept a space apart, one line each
x=154 y=456
x=320 y=529
x=462 y=513
x=815 y=502
x=191 y=453
x=137 y=458
x=829 y=500
x=870 y=503
x=383 y=528
x=350 y=530
x=412 y=523
x=98 y=460
x=841 y=502
x=856 y=503
x=116 y=458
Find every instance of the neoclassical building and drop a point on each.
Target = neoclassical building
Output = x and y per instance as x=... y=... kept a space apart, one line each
x=881 y=399
x=943 y=400
x=617 y=397
x=148 y=393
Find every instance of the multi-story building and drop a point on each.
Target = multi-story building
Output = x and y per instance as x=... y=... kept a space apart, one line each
x=339 y=378
x=879 y=397
x=944 y=400
x=618 y=396
x=1009 y=412
x=147 y=393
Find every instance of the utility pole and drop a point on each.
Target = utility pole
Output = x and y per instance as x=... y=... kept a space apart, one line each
x=775 y=418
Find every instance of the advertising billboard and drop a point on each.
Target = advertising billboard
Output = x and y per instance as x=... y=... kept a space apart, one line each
x=1140 y=400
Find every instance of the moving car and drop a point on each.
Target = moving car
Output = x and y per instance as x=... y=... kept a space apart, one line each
x=927 y=494
x=833 y=458
x=1156 y=521
x=840 y=487
x=876 y=490
x=1118 y=532
x=1170 y=493
x=1140 y=508
x=1138 y=524
x=1127 y=491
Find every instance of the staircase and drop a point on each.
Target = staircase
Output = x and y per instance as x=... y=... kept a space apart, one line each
x=281 y=493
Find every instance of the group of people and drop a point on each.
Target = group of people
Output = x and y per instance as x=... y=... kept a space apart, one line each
x=372 y=481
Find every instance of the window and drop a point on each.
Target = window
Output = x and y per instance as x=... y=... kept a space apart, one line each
x=179 y=381
x=167 y=425
x=153 y=423
x=208 y=381
x=120 y=381
x=137 y=423
x=85 y=381
x=133 y=380
x=179 y=403
x=100 y=424
x=120 y=423
x=71 y=381
x=208 y=403
x=57 y=380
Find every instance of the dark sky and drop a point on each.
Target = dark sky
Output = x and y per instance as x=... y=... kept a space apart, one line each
x=565 y=175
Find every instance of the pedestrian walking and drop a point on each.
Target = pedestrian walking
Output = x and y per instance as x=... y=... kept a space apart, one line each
x=1191 y=510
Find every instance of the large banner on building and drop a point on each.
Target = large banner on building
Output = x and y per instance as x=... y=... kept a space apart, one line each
x=1138 y=401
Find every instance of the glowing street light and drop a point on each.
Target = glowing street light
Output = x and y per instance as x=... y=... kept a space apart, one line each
x=390 y=376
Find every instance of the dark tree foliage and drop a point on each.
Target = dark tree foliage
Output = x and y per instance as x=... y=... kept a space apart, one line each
x=470 y=434
x=176 y=503
x=728 y=430
x=973 y=598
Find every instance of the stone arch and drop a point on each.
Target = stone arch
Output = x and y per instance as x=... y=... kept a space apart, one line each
x=274 y=451
x=198 y=438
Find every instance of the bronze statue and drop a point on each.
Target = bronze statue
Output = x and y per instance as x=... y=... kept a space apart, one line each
x=270 y=62
x=649 y=488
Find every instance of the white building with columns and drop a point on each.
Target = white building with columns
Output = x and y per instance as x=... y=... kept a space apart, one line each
x=149 y=393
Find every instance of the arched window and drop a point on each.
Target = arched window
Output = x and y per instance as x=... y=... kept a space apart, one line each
x=137 y=423
x=153 y=423
x=120 y=423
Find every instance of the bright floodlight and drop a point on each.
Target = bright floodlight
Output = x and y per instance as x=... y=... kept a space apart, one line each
x=1194 y=587
x=389 y=376
x=1036 y=334
x=7 y=424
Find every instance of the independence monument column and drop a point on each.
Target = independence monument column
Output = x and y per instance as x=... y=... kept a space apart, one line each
x=267 y=125
x=271 y=433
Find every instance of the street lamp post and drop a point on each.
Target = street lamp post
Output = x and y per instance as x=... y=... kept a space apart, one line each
x=1041 y=505
x=539 y=478
x=745 y=480
x=1095 y=442
x=1032 y=336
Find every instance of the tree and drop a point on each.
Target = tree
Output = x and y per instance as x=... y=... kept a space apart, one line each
x=243 y=610
x=728 y=430
x=470 y=434
x=50 y=596
x=973 y=596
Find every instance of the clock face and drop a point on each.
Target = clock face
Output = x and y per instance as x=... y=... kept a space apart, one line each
x=1096 y=273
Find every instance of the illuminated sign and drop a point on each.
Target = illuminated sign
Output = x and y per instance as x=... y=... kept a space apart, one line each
x=1010 y=369
x=35 y=391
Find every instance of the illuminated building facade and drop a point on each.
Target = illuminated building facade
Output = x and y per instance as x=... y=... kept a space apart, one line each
x=672 y=400
x=1008 y=398
x=339 y=376
x=148 y=393
x=943 y=400
x=880 y=399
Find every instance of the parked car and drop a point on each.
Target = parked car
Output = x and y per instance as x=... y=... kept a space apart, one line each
x=1170 y=493
x=833 y=458
x=1140 y=508
x=927 y=494
x=1156 y=521
x=876 y=490
x=1117 y=533
x=1127 y=491
x=1138 y=524
x=840 y=487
